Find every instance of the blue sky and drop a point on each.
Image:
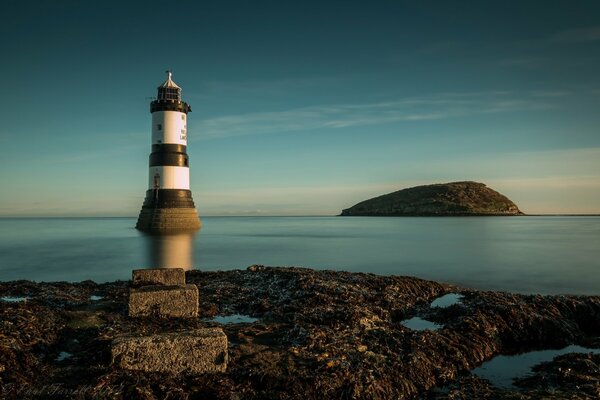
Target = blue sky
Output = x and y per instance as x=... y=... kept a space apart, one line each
x=300 y=107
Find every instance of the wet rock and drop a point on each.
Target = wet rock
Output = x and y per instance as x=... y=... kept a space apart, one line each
x=467 y=388
x=319 y=334
x=164 y=301
x=569 y=373
x=194 y=351
x=256 y=267
x=84 y=319
x=158 y=276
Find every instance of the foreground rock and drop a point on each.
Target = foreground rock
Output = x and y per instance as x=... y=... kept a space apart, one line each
x=193 y=351
x=567 y=374
x=571 y=376
x=164 y=301
x=444 y=199
x=158 y=276
x=162 y=293
x=319 y=335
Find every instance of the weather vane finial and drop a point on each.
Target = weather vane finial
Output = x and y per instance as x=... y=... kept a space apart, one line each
x=169 y=73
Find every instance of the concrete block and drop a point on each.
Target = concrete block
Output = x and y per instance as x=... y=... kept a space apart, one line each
x=196 y=351
x=158 y=276
x=164 y=301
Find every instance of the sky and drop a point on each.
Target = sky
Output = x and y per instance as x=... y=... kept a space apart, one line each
x=300 y=107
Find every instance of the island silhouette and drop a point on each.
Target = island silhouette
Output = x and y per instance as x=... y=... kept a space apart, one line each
x=441 y=199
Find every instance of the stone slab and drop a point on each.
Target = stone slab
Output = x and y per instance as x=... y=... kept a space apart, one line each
x=158 y=276
x=164 y=301
x=195 y=351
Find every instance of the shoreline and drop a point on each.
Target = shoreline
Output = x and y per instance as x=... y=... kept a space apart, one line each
x=317 y=334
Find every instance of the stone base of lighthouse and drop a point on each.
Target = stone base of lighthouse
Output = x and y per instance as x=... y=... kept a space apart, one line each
x=168 y=210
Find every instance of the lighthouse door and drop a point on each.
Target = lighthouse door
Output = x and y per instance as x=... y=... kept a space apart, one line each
x=156 y=186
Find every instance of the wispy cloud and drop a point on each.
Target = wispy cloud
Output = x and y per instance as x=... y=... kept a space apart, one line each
x=102 y=153
x=549 y=182
x=522 y=62
x=441 y=48
x=439 y=106
x=578 y=35
x=547 y=52
x=269 y=87
x=550 y=93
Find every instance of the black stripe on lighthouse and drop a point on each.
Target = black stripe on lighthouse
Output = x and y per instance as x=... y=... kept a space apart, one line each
x=171 y=155
x=168 y=198
x=168 y=105
x=169 y=148
x=169 y=159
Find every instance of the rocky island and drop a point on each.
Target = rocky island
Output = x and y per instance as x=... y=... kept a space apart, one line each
x=299 y=334
x=443 y=199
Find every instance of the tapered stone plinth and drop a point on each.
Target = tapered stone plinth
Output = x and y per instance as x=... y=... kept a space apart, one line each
x=162 y=220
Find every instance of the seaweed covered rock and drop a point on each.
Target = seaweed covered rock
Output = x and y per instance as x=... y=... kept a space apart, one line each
x=315 y=335
x=569 y=373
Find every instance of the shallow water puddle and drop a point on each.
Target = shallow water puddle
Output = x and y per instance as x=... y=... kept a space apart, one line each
x=63 y=355
x=234 y=319
x=502 y=370
x=420 y=324
x=96 y=298
x=11 y=299
x=447 y=300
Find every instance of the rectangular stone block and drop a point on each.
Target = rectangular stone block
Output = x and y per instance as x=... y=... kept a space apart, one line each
x=164 y=301
x=158 y=276
x=196 y=351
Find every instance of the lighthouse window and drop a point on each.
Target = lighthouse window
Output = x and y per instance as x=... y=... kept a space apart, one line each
x=183 y=117
x=169 y=94
x=159 y=127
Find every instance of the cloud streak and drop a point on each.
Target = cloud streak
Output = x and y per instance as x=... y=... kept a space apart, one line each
x=440 y=106
x=588 y=34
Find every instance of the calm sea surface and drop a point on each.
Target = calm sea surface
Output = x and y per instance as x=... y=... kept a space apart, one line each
x=520 y=254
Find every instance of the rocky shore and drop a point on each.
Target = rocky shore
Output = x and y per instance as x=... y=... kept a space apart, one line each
x=317 y=334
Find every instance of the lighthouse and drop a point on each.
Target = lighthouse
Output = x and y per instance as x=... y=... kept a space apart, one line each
x=168 y=205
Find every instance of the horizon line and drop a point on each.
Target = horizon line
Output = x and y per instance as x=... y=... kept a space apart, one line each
x=301 y=216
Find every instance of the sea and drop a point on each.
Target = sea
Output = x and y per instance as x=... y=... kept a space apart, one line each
x=528 y=254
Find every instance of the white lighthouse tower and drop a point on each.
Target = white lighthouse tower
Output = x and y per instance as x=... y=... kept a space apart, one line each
x=168 y=205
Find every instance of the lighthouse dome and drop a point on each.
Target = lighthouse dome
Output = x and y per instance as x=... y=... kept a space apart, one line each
x=169 y=89
x=169 y=97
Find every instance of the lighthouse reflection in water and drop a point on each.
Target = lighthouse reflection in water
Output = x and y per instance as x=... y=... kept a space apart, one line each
x=170 y=250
